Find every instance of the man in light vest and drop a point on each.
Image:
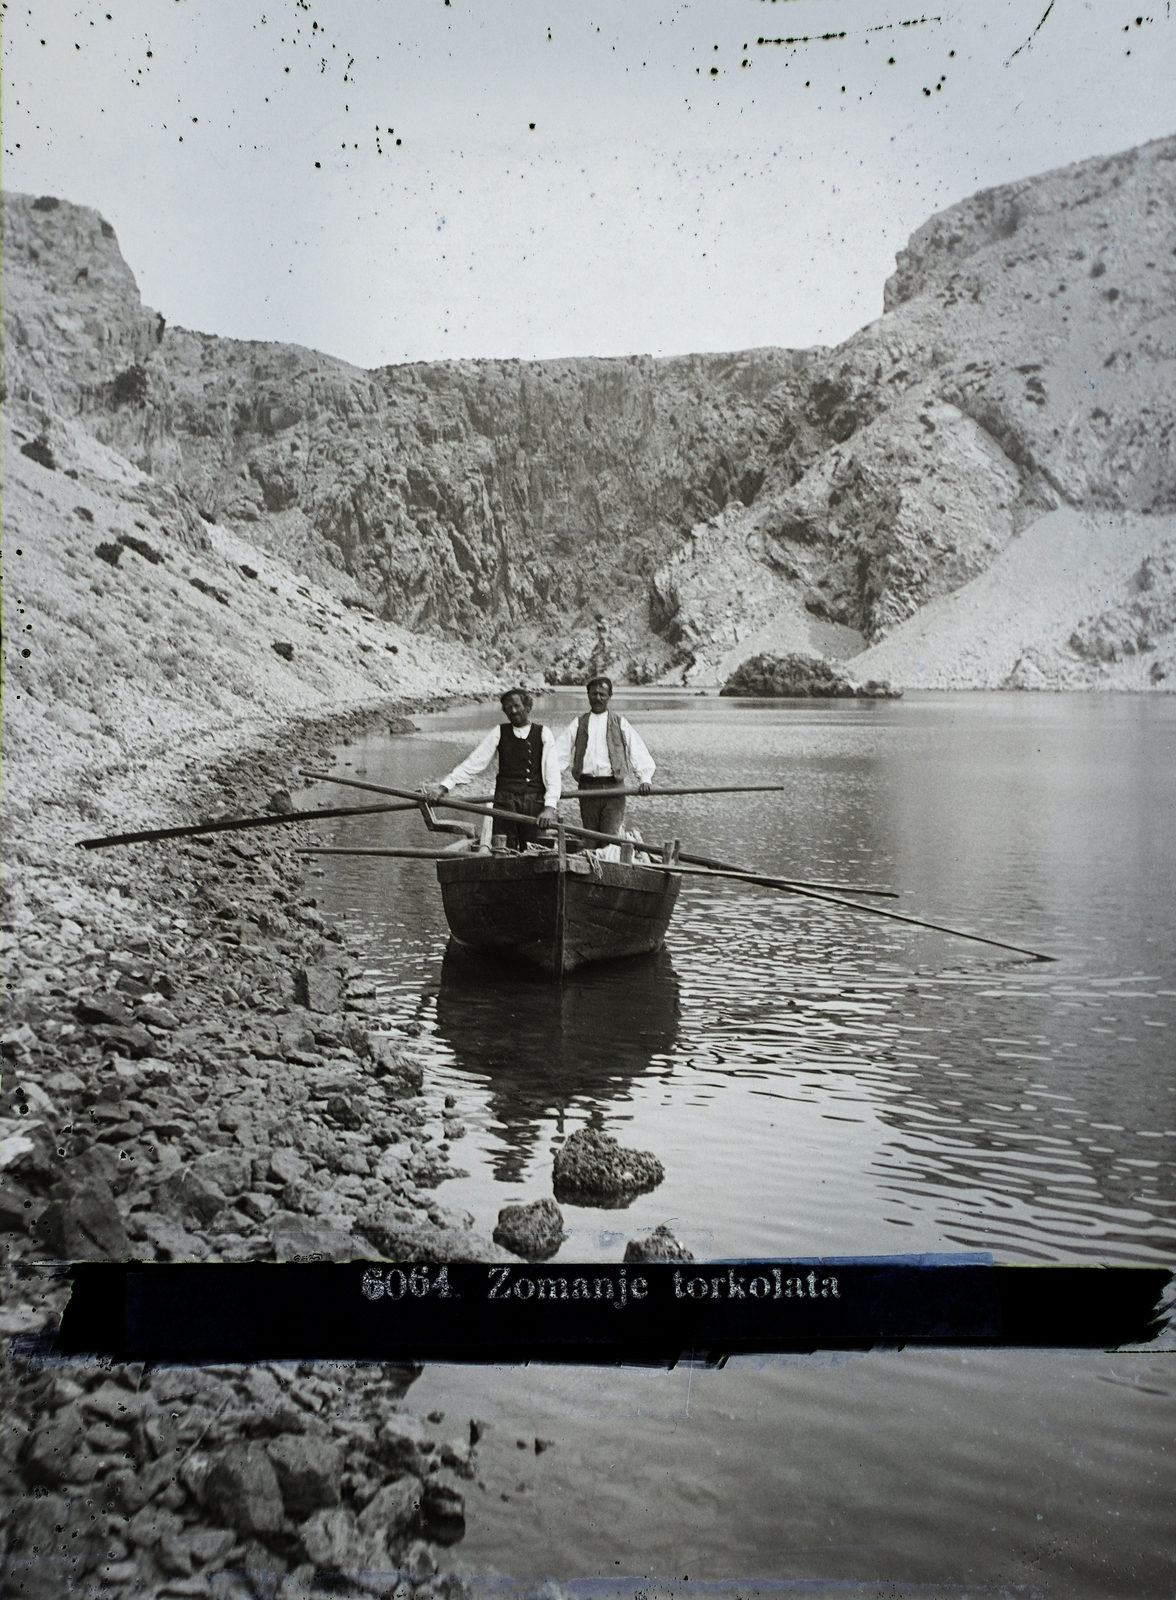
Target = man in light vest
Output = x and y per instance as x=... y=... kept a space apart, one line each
x=604 y=752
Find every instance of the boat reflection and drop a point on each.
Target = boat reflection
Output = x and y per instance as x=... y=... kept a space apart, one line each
x=540 y=1047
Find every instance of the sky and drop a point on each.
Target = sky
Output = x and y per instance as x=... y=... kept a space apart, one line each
x=405 y=180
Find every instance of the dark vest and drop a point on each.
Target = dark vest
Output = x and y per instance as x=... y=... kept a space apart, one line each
x=520 y=761
x=615 y=743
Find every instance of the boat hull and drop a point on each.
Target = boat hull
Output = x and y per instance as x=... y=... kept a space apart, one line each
x=556 y=916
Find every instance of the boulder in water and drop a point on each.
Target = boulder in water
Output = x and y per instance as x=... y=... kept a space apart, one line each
x=593 y=1170
x=658 y=1245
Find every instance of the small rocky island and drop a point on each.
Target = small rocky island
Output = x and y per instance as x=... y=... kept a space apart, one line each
x=801 y=677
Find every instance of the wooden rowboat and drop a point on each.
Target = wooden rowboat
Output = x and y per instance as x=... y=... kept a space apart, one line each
x=556 y=912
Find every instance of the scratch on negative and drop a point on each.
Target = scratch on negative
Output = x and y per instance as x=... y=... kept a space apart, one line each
x=1033 y=35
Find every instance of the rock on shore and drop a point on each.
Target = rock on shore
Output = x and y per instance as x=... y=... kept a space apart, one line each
x=534 y=1230
x=169 y=1481
x=660 y=1244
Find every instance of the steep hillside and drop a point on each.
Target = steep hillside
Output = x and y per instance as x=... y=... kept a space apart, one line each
x=1079 y=601
x=1026 y=363
x=140 y=649
x=492 y=501
x=666 y=517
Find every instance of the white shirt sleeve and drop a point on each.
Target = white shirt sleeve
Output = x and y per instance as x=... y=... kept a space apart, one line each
x=550 y=768
x=477 y=761
x=565 y=744
x=639 y=757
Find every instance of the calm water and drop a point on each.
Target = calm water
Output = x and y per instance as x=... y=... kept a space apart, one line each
x=817 y=1082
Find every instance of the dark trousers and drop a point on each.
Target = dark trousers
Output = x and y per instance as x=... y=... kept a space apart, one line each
x=527 y=801
x=602 y=816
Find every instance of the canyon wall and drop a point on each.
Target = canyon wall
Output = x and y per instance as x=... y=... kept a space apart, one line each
x=664 y=517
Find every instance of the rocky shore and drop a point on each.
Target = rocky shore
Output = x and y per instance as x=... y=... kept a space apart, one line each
x=192 y=1073
x=192 y=1067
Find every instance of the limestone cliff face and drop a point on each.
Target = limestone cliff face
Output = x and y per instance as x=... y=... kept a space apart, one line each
x=76 y=336
x=1026 y=362
x=662 y=516
x=494 y=500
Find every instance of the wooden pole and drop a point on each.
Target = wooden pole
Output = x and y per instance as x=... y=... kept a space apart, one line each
x=483 y=808
x=800 y=883
x=236 y=825
x=787 y=885
x=413 y=853
x=572 y=794
x=853 y=905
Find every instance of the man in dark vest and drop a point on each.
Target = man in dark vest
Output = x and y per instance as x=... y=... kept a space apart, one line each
x=604 y=752
x=528 y=772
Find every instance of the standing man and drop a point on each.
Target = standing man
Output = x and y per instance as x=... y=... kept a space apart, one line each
x=604 y=752
x=528 y=771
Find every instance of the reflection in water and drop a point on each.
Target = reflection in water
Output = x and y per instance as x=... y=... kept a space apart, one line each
x=812 y=1080
x=540 y=1046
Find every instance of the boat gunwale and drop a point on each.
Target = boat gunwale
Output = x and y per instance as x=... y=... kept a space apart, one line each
x=482 y=869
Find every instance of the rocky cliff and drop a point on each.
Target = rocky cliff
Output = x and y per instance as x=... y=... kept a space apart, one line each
x=494 y=501
x=666 y=517
x=1024 y=366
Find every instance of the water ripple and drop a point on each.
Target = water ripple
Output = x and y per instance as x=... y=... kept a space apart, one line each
x=801 y=1070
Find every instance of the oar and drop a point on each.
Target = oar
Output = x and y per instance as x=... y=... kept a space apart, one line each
x=232 y=825
x=654 y=794
x=787 y=885
x=481 y=808
x=852 y=905
x=719 y=869
x=413 y=852
x=800 y=883
x=571 y=794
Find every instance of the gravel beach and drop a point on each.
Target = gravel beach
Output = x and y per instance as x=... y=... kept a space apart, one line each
x=191 y=1073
